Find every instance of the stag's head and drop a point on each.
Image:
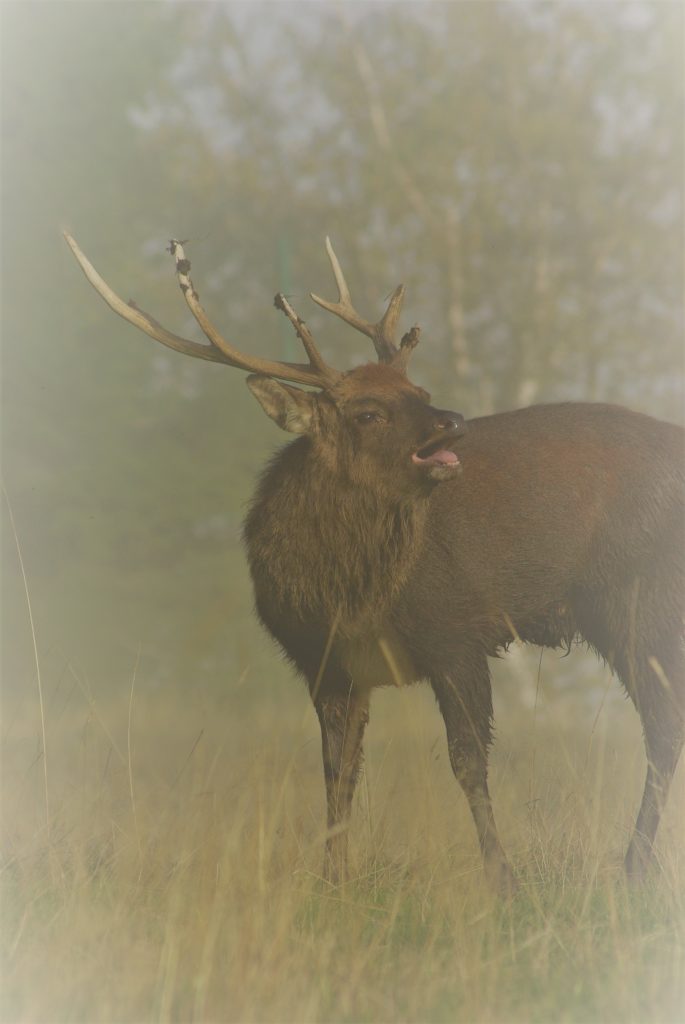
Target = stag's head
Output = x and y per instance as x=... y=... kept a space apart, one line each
x=367 y=423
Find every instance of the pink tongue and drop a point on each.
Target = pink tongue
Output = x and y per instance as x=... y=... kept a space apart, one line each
x=442 y=458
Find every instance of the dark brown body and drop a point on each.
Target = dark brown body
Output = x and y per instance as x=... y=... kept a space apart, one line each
x=392 y=542
x=565 y=521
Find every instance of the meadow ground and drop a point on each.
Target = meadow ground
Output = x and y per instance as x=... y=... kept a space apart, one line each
x=179 y=878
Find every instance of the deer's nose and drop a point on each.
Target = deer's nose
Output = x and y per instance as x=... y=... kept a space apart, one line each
x=452 y=421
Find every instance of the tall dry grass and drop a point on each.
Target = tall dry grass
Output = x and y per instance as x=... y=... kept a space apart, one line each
x=178 y=876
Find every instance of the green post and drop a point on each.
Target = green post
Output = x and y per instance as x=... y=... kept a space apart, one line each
x=289 y=347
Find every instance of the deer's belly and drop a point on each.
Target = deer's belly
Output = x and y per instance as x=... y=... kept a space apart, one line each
x=378 y=660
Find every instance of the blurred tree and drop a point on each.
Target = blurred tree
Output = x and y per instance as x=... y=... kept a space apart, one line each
x=518 y=165
x=83 y=397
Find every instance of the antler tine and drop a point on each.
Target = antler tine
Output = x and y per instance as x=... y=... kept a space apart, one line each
x=382 y=333
x=303 y=333
x=343 y=291
x=138 y=317
x=316 y=373
x=409 y=342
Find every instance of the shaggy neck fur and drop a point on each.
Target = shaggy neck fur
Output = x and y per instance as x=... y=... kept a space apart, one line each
x=321 y=547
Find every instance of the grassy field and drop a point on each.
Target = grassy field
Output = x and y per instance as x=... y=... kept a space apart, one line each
x=179 y=876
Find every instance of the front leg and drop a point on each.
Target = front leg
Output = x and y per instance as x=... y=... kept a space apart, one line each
x=465 y=700
x=343 y=714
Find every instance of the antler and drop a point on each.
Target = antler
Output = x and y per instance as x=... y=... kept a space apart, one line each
x=316 y=373
x=381 y=333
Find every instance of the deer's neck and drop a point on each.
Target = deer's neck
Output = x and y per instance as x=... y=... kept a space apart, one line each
x=322 y=549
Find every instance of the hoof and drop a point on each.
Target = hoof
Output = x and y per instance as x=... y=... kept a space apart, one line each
x=638 y=863
x=334 y=868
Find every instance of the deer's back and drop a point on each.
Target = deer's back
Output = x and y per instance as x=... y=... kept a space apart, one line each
x=551 y=500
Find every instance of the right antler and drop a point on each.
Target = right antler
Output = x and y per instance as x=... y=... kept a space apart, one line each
x=383 y=332
x=316 y=373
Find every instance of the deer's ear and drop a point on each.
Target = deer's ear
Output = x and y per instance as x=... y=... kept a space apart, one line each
x=291 y=408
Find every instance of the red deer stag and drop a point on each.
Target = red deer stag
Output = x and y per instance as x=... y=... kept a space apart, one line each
x=393 y=542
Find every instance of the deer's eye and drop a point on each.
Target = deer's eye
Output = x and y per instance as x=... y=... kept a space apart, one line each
x=368 y=417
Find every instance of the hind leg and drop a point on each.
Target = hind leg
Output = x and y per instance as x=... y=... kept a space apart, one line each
x=643 y=646
x=659 y=700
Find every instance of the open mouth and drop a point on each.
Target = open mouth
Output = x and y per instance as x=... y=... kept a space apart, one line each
x=434 y=454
